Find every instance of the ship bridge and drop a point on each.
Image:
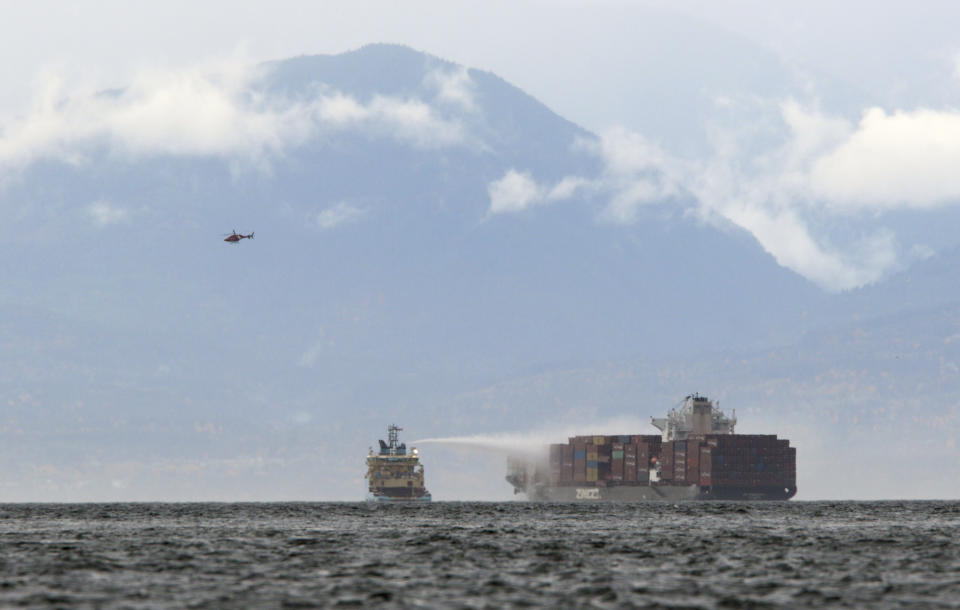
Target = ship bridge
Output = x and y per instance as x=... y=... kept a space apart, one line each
x=697 y=416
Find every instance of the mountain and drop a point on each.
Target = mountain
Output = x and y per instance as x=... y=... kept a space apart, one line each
x=145 y=358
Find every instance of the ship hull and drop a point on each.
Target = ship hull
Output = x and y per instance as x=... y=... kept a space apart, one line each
x=654 y=493
x=374 y=497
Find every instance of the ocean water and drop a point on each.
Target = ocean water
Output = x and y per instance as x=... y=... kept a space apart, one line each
x=481 y=555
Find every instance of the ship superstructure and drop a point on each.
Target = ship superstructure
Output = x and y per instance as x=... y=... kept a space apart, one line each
x=697 y=456
x=697 y=416
x=393 y=474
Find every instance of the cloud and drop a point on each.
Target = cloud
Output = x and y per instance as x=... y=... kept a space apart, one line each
x=514 y=192
x=771 y=193
x=518 y=191
x=636 y=173
x=203 y=112
x=413 y=121
x=103 y=214
x=786 y=236
x=454 y=87
x=811 y=134
x=628 y=153
x=187 y=112
x=626 y=200
x=897 y=160
x=785 y=192
x=828 y=167
x=337 y=215
x=566 y=188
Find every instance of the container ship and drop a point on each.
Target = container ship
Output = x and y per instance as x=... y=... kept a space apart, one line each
x=393 y=475
x=697 y=456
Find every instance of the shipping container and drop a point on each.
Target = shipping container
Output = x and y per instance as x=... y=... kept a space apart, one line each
x=705 y=465
x=680 y=461
x=693 y=461
x=616 y=470
x=666 y=461
x=566 y=470
x=643 y=464
x=630 y=463
x=579 y=462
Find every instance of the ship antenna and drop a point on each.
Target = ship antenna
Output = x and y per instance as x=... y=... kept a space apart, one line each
x=393 y=438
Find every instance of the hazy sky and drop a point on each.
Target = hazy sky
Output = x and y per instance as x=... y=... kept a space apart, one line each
x=561 y=52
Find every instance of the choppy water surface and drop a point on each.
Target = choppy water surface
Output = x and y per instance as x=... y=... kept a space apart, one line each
x=884 y=554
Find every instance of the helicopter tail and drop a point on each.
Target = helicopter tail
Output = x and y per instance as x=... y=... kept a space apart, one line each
x=251 y=234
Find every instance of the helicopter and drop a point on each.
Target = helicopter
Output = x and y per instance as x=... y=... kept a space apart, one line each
x=234 y=237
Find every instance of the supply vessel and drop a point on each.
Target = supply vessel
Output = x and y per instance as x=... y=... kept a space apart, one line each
x=697 y=456
x=393 y=474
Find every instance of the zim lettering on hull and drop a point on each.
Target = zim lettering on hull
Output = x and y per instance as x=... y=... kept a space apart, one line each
x=589 y=493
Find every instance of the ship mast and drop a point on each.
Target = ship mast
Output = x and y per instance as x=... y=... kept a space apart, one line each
x=393 y=438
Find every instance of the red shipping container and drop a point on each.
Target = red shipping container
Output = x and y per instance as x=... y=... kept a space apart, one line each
x=643 y=464
x=666 y=461
x=693 y=463
x=630 y=463
x=579 y=471
x=705 y=466
x=616 y=469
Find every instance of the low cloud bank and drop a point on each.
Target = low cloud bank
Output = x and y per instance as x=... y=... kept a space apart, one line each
x=821 y=167
x=212 y=113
